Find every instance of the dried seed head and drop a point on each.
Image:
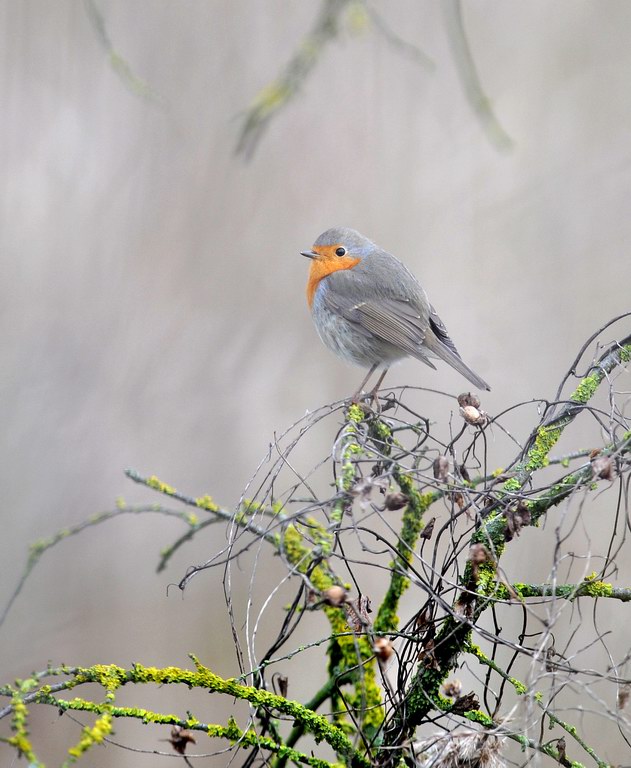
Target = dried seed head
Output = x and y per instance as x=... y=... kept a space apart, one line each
x=427 y=656
x=282 y=683
x=464 y=605
x=464 y=473
x=465 y=703
x=550 y=655
x=602 y=468
x=427 y=531
x=479 y=554
x=473 y=416
x=561 y=747
x=396 y=500
x=458 y=499
x=334 y=596
x=383 y=648
x=463 y=749
x=423 y=618
x=440 y=468
x=468 y=398
x=624 y=691
x=357 y=613
x=452 y=688
x=180 y=739
x=516 y=518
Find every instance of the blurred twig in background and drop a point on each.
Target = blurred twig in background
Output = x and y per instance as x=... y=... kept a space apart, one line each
x=326 y=28
x=467 y=70
x=280 y=92
x=118 y=63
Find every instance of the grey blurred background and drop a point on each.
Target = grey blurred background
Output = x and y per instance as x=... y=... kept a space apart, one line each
x=152 y=295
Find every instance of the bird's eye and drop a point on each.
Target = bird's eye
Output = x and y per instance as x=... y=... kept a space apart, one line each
x=340 y=252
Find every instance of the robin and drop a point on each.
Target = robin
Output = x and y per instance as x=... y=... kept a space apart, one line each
x=369 y=308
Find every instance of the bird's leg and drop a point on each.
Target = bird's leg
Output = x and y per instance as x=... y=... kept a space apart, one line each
x=373 y=394
x=357 y=395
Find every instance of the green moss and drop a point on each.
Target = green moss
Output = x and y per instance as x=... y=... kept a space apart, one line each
x=92 y=735
x=592 y=587
x=546 y=438
x=111 y=676
x=586 y=388
x=206 y=502
x=355 y=413
x=486 y=584
x=271 y=98
x=157 y=484
x=512 y=485
x=411 y=526
x=352 y=650
x=476 y=716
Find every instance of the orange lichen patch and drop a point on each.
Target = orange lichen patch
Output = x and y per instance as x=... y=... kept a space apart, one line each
x=324 y=264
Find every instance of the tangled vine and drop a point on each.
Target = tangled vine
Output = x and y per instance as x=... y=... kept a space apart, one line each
x=395 y=550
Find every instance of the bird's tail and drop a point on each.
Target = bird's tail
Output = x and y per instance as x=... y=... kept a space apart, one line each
x=451 y=356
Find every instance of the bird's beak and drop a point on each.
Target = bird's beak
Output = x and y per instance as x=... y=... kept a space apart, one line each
x=309 y=254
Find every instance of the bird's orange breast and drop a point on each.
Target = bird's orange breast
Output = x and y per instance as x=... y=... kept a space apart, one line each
x=323 y=266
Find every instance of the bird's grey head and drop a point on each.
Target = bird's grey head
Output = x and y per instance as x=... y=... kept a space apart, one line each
x=352 y=241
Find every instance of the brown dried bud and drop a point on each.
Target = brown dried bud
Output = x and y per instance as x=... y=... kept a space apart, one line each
x=561 y=747
x=396 y=500
x=383 y=648
x=180 y=739
x=282 y=682
x=473 y=416
x=357 y=614
x=479 y=554
x=464 y=473
x=602 y=468
x=452 y=688
x=427 y=531
x=464 y=605
x=524 y=513
x=423 y=618
x=516 y=519
x=468 y=398
x=440 y=468
x=427 y=655
x=334 y=596
x=465 y=703
x=550 y=654
x=458 y=499
x=624 y=691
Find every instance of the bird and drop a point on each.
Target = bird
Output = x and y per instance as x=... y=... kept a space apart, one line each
x=370 y=310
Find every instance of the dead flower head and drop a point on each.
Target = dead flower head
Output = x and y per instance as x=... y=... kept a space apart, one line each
x=465 y=749
x=180 y=739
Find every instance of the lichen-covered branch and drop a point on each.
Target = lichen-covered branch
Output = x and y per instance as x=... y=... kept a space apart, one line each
x=112 y=677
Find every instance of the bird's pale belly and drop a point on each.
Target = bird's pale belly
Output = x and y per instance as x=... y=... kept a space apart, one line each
x=351 y=342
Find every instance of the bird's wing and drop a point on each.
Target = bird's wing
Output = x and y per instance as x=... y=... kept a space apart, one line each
x=440 y=331
x=411 y=325
x=397 y=321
